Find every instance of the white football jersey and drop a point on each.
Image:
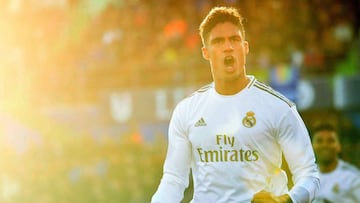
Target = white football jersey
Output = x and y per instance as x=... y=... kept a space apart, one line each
x=341 y=185
x=234 y=145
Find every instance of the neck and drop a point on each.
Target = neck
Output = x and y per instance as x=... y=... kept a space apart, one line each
x=231 y=87
x=328 y=167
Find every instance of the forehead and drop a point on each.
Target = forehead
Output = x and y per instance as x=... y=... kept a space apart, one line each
x=225 y=29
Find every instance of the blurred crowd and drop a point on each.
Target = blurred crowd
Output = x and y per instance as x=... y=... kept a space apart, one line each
x=45 y=162
x=73 y=52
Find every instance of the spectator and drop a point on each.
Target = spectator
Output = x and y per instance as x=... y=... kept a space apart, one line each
x=339 y=180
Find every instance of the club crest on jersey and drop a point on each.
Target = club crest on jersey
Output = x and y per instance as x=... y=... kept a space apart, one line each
x=249 y=120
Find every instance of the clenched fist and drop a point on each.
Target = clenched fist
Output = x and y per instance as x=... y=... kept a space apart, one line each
x=267 y=197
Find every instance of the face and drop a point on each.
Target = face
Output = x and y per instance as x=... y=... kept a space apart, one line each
x=226 y=50
x=326 y=146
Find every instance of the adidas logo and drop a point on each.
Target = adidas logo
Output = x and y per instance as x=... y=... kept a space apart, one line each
x=200 y=122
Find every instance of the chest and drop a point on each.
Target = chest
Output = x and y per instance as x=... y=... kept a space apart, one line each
x=231 y=125
x=335 y=184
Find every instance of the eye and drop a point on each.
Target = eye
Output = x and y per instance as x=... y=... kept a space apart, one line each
x=217 y=41
x=235 y=39
x=318 y=140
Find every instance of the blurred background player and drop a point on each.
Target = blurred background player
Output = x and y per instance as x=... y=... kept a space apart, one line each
x=339 y=180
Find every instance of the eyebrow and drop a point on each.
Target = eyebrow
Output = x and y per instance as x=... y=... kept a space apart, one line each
x=236 y=36
x=222 y=38
x=217 y=39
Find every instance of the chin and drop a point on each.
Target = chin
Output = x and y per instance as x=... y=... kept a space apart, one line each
x=232 y=78
x=326 y=161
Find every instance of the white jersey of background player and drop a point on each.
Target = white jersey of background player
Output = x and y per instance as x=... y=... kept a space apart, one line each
x=340 y=181
x=232 y=133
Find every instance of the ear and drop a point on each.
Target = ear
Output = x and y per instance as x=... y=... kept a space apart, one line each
x=246 y=45
x=205 y=53
x=338 y=144
x=338 y=148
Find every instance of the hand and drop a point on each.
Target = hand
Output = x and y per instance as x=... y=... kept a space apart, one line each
x=267 y=197
x=326 y=201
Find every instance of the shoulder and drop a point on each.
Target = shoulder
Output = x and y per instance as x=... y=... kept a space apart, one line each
x=349 y=173
x=195 y=97
x=271 y=94
x=202 y=90
x=198 y=94
x=349 y=168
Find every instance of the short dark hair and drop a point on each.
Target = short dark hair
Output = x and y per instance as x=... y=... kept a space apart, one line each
x=324 y=127
x=220 y=15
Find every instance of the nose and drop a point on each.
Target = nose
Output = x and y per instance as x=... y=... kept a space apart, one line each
x=228 y=46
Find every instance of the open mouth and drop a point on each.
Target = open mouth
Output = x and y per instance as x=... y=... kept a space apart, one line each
x=229 y=60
